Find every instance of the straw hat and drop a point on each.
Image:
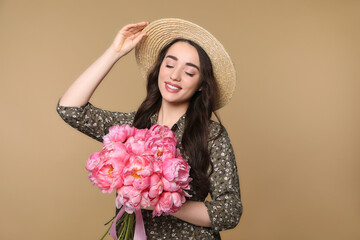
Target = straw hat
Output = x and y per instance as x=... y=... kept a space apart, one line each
x=163 y=31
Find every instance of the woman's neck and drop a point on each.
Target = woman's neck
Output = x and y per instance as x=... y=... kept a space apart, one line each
x=169 y=114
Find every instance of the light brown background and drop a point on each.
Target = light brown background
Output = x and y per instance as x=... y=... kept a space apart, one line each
x=293 y=121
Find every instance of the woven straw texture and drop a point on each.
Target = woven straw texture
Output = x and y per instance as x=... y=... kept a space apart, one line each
x=163 y=31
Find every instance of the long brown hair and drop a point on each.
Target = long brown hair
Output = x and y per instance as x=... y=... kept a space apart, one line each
x=197 y=117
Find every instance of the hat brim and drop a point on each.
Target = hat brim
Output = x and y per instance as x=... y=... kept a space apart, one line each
x=163 y=31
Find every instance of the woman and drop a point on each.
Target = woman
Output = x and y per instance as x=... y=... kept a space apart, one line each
x=189 y=76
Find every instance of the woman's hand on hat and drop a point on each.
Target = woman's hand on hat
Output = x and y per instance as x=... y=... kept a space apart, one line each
x=128 y=37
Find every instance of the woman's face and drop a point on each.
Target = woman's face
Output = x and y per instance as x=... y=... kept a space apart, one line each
x=179 y=75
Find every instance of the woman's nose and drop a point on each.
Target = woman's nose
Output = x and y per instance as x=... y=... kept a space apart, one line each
x=175 y=75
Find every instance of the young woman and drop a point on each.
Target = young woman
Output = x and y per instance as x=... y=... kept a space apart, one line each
x=189 y=76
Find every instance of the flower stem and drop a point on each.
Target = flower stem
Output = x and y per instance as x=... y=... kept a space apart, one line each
x=125 y=226
x=106 y=231
x=128 y=229
x=110 y=220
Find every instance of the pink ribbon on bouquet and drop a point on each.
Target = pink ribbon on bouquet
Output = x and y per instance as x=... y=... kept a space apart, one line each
x=139 y=227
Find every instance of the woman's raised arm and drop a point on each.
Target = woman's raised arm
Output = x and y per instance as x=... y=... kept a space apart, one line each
x=80 y=91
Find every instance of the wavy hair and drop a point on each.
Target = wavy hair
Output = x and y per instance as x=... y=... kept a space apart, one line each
x=197 y=117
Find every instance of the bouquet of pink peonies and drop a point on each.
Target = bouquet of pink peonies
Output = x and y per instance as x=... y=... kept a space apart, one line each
x=146 y=169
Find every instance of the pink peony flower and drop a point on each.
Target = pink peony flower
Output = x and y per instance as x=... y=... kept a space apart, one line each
x=118 y=134
x=156 y=186
x=129 y=197
x=162 y=131
x=93 y=161
x=108 y=175
x=137 y=172
x=162 y=148
x=141 y=134
x=115 y=150
x=176 y=169
x=170 y=186
x=135 y=146
x=169 y=202
x=145 y=200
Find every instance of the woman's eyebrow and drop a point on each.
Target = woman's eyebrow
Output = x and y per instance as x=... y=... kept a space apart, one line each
x=188 y=63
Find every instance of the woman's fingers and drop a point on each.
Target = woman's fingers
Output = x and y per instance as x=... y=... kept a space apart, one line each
x=138 y=37
x=135 y=27
x=128 y=37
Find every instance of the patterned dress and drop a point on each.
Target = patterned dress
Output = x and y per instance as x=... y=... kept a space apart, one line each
x=225 y=207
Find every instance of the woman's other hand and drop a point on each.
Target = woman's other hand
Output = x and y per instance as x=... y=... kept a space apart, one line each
x=127 y=38
x=149 y=208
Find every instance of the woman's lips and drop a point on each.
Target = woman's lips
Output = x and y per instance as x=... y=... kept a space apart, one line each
x=173 y=88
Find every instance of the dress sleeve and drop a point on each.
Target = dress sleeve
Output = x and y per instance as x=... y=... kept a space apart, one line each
x=225 y=208
x=91 y=120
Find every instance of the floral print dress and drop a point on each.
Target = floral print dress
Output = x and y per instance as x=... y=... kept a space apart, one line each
x=224 y=208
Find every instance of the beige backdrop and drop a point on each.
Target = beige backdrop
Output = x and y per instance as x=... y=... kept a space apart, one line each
x=294 y=119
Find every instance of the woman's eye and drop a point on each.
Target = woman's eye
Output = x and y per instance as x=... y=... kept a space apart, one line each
x=190 y=74
x=169 y=66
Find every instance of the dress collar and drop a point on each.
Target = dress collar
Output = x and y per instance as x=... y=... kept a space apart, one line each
x=178 y=126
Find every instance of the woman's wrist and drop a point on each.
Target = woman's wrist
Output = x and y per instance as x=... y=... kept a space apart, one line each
x=113 y=55
x=194 y=212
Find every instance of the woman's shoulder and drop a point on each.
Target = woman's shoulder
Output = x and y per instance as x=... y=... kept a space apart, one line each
x=216 y=130
x=93 y=121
